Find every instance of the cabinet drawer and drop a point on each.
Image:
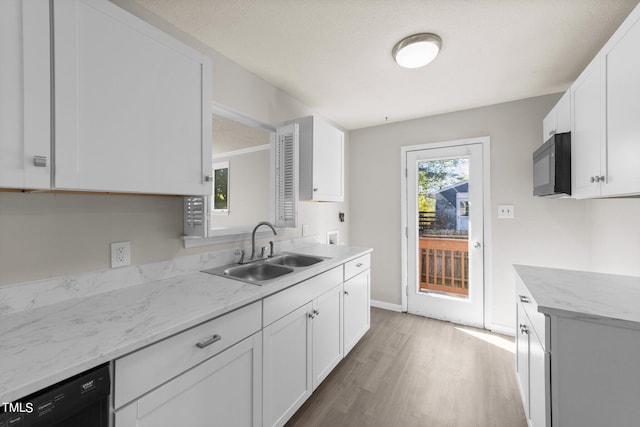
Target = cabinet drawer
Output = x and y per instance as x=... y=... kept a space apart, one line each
x=356 y=266
x=538 y=320
x=283 y=303
x=145 y=369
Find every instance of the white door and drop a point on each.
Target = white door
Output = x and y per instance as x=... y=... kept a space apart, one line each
x=287 y=380
x=326 y=334
x=445 y=272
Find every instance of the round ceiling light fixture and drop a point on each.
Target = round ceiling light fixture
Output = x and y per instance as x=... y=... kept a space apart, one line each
x=417 y=50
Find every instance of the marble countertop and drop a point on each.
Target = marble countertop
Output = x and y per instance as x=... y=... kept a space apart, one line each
x=47 y=344
x=607 y=298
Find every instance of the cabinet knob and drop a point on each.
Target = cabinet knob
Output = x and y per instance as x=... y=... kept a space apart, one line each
x=208 y=178
x=40 y=161
x=523 y=298
x=311 y=316
x=315 y=189
x=316 y=312
x=593 y=179
x=601 y=178
x=346 y=292
x=523 y=329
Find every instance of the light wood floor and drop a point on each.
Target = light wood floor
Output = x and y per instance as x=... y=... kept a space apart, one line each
x=413 y=371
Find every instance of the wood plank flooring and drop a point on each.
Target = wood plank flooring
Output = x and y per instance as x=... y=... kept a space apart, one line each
x=413 y=371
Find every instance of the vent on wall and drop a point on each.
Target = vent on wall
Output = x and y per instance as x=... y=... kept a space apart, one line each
x=284 y=154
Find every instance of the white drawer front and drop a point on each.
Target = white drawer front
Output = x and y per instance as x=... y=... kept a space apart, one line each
x=356 y=266
x=283 y=303
x=145 y=369
x=538 y=320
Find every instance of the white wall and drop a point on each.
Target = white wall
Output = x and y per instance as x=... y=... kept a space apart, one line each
x=614 y=236
x=546 y=232
x=49 y=235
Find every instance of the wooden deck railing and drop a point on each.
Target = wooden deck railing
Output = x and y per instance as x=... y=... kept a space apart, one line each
x=444 y=265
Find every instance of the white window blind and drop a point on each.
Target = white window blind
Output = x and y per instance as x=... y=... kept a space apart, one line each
x=196 y=216
x=285 y=160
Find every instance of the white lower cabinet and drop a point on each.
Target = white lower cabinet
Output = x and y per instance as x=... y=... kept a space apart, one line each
x=209 y=375
x=254 y=366
x=356 y=317
x=302 y=343
x=222 y=391
x=287 y=358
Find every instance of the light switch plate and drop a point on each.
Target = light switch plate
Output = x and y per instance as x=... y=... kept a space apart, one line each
x=506 y=211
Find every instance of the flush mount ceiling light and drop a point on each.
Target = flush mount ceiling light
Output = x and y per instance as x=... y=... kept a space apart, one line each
x=417 y=50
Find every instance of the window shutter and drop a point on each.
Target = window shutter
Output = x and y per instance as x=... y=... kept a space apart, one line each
x=284 y=151
x=196 y=215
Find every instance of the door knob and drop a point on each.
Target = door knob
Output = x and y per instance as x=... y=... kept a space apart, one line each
x=477 y=245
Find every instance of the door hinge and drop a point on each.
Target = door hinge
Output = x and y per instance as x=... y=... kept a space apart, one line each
x=406 y=232
x=406 y=290
x=406 y=172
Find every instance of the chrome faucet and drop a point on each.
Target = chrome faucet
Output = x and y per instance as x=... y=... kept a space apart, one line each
x=253 y=237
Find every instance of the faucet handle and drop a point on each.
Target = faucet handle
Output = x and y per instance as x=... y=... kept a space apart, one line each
x=241 y=253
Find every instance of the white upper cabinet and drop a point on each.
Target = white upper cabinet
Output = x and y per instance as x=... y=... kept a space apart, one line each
x=132 y=105
x=559 y=118
x=621 y=55
x=25 y=128
x=321 y=160
x=606 y=131
x=588 y=148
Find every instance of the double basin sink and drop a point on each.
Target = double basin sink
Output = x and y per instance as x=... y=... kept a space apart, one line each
x=258 y=272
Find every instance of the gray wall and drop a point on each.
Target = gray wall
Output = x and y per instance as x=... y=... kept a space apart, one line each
x=547 y=232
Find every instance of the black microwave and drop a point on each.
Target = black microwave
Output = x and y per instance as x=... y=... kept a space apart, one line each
x=552 y=167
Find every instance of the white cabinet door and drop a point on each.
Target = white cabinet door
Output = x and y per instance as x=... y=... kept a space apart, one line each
x=563 y=111
x=587 y=141
x=326 y=334
x=538 y=380
x=623 y=104
x=522 y=357
x=132 y=105
x=328 y=162
x=356 y=308
x=287 y=366
x=321 y=160
x=25 y=129
x=223 y=391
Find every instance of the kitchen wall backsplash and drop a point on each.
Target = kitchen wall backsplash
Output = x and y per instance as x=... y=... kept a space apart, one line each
x=30 y=295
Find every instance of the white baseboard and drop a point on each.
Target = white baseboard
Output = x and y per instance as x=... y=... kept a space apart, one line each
x=501 y=329
x=386 y=305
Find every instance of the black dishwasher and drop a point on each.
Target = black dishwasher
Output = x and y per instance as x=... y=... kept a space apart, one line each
x=79 y=401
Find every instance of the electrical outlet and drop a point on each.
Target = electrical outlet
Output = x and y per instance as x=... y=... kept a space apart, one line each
x=506 y=211
x=120 y=254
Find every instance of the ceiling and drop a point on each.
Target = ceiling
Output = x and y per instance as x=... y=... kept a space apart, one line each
x=335 y=55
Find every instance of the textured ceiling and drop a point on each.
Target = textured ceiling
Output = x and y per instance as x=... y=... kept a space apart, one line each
x=335 y=55
x=229 y=135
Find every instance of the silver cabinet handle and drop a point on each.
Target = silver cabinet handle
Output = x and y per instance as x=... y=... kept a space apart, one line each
x=40 y=161
x=315 y=189
x=359 y=264
x=523 y=329
x=346 y=292
x=311 y=316
x=523 y=298
x=316 y=312
x=208 y=178
x=208 y=342
x=592 y=179
x=602 y=178
x=477 y=245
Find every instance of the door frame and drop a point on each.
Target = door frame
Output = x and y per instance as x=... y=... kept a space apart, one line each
x=404 y=230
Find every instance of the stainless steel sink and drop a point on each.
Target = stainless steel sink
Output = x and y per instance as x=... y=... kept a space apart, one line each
x=261 y=271
x=294 y=260
x=255 y=272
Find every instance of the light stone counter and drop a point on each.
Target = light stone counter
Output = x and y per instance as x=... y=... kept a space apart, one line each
x=605 y=298
x=43 y=345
